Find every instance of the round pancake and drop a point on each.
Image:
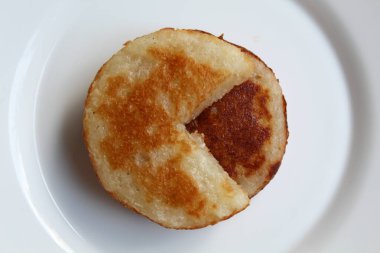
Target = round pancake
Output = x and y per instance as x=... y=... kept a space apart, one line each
x=134 y=127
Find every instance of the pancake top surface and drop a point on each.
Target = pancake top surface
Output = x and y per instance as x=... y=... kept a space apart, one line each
x=135 y=117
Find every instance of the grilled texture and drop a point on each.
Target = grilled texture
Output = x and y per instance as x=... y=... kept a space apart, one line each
x=246 y=133
x=134 y=126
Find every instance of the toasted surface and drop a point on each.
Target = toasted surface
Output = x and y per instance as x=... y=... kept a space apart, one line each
x=243 y=131
x=134 y=126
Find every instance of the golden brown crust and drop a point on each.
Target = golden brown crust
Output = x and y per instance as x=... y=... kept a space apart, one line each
x=236 y=127
x=130 y=132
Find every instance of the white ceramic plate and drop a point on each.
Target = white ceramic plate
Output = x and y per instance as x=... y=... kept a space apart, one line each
x=53 y=200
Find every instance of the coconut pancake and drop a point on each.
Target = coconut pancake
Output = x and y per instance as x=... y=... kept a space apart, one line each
x=146 y=122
